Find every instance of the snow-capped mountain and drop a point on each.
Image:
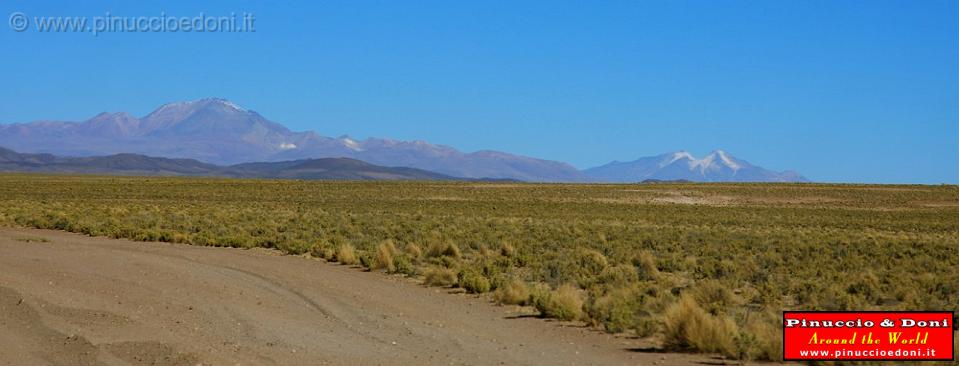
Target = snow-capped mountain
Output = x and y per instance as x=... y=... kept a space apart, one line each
x=718 y=166
x=218 y=131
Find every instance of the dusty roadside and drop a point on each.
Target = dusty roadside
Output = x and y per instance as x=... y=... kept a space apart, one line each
x=75 y=300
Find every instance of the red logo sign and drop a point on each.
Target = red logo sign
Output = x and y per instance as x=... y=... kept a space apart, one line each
x=868 y=335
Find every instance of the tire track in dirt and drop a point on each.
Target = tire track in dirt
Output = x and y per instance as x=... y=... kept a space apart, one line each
x=79 y=300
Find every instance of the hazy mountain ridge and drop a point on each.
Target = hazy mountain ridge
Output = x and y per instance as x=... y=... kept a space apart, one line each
x=135 y=164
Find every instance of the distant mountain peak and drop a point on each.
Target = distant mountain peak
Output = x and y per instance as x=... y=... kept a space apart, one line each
x=195 y=105
x=717 y=166
x=216 y=130
x=718 y=159
x=224 y=102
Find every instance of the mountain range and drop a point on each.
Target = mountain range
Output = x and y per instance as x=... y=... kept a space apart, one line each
x=135 y=164
x=218 y=132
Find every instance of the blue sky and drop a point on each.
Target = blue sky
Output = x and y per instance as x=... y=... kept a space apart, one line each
x=851 y=91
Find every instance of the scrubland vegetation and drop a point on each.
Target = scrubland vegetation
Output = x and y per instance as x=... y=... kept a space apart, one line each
x=697 y=267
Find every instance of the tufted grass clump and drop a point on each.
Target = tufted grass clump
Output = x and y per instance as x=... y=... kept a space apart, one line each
x=384 y=256
x=765 y=337
x=620 y=310
x=507 y=250
x=443 y=248
x=322 y=250
x=645 y=264
x=439 y=276
x=473 y=282
x=564 y=303
x=346 y=254
x=403 y=264
x=514 y=292
x=687 y=327
x=414 y=252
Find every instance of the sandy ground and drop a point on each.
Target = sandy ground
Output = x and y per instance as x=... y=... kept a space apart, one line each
x=67 y=299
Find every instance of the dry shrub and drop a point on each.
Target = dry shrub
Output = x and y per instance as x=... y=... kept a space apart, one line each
x=366 y=259
x=686 y=326
x=592 y=262
x=865 y=284
x=292 y=246
x=443 y=249
x=768 y=336
x=507 y=250
x=180 y=238
x=473 y=282
x=716 y=296
x=328 y=254
x=384 y=256
x=321 y=250
x=414 y=251
x=452 y=250
x=565 y=303
x=515 y=292
x=620 y=310
x=346 y=254
x=403 y=264
x=613 y=277
x=437 y=276
x=484 y=251
x=645 y=264
x=435 y=248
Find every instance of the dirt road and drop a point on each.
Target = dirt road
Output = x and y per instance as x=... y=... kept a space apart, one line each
x=67 y=299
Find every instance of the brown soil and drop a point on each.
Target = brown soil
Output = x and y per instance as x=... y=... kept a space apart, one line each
x=67 y=299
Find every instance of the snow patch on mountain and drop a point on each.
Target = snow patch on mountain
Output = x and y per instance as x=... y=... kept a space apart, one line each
x=351 y=143
x=727 y=160
x=679 y=155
